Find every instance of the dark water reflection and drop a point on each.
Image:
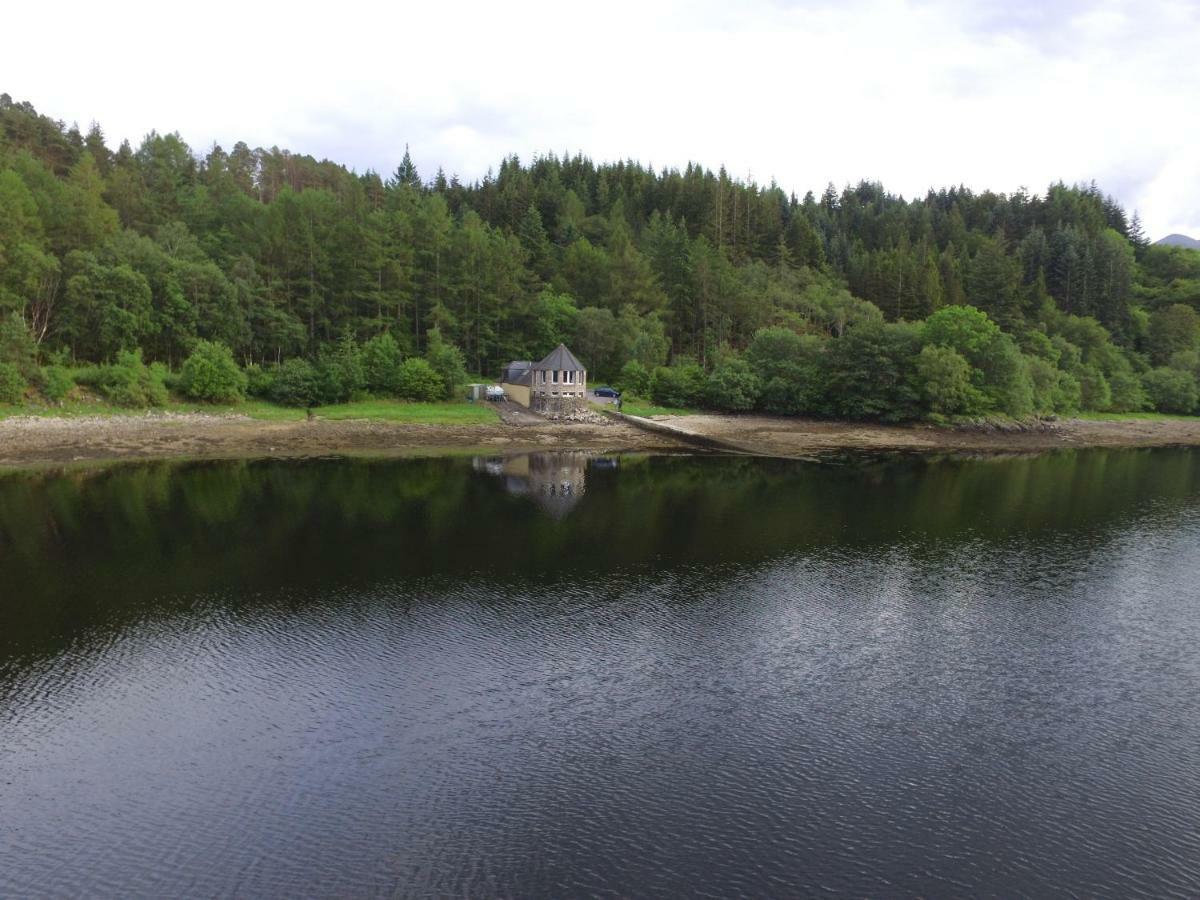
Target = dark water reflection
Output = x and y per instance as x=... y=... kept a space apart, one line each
x=567 y=675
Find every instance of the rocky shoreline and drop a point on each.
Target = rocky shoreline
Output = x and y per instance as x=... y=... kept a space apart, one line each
x=49 y=441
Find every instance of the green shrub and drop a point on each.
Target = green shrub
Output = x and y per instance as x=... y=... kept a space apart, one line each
x=89 y=376
x=210 y=374
x=161 y=375
x=634 y=379
x=790 y=366
x=55 y=382
x=1068 y=396
x=733 y=386
x=1171 y=391
x=259 y=381
x=1095 y=391
x=295 y=384
x=1044 y=378
x=381 y=359
x=16 y=345
x=1005 y=381
x=12 y=383
x=1128 y=395
x=130 y=382
x=945 y=378
x=870 y=372
x=340 y=375
x=963 y=328
x=1171 y=330
x=1185 y=361
x=416 y=379
x=447 y=361
x=678 y=386
x=1054 y=391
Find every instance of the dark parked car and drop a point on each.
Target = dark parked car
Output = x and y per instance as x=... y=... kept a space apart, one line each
x=605 y=391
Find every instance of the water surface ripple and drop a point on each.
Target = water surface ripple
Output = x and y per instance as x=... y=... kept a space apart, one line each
x=697 y=677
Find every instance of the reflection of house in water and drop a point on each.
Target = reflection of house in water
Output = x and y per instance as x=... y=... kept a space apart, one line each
x=555 y=481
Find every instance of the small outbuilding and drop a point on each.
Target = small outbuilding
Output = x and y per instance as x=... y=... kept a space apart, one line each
x=517 y=379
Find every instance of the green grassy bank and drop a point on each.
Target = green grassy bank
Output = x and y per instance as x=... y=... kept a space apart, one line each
x=444 y=413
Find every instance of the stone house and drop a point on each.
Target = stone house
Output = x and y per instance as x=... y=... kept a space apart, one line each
x=556 y=385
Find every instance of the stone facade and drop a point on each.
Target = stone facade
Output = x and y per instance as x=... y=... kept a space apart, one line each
x=557 y=385
x=554 y=405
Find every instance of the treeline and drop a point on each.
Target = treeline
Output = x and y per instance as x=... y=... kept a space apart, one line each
x=685 y=284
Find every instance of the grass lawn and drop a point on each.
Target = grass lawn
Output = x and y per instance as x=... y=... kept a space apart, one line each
x=645 y=409
x=450 y=413
x=255 y=409
x=453 y=413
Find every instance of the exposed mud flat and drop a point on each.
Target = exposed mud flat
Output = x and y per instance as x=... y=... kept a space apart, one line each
x=34 y=441
x=797 y=437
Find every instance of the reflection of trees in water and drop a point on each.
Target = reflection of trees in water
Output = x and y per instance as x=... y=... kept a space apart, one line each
x=88 y=544
x=180 y=509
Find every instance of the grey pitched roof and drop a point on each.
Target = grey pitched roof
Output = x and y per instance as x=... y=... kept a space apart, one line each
x=560 y=359
x=517 y=372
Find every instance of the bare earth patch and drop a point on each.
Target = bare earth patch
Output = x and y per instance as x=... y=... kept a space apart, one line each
x=797 y=437
x=38 y=441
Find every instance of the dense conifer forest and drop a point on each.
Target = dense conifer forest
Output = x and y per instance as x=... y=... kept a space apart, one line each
x=134 y=270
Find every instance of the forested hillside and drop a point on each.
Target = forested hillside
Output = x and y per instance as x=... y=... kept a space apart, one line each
x=689 y=286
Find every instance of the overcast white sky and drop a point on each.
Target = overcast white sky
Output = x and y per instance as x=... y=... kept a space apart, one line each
x=914 y=93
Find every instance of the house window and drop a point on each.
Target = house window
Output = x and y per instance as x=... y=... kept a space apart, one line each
x=556 y=376
x=569 y=377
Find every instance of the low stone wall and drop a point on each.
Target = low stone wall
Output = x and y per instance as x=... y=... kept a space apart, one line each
x=684 y=437
x=552 y=407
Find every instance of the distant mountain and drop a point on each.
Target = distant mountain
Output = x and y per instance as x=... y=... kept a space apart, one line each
x=1180 y=240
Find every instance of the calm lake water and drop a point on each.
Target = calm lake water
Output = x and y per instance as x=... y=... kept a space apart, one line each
x=561 y=676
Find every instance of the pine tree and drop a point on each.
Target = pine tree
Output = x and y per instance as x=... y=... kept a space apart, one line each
x=406 y=173
x=94 y=143
x=1137 y=236
x=533 y=238
x=993 y=281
